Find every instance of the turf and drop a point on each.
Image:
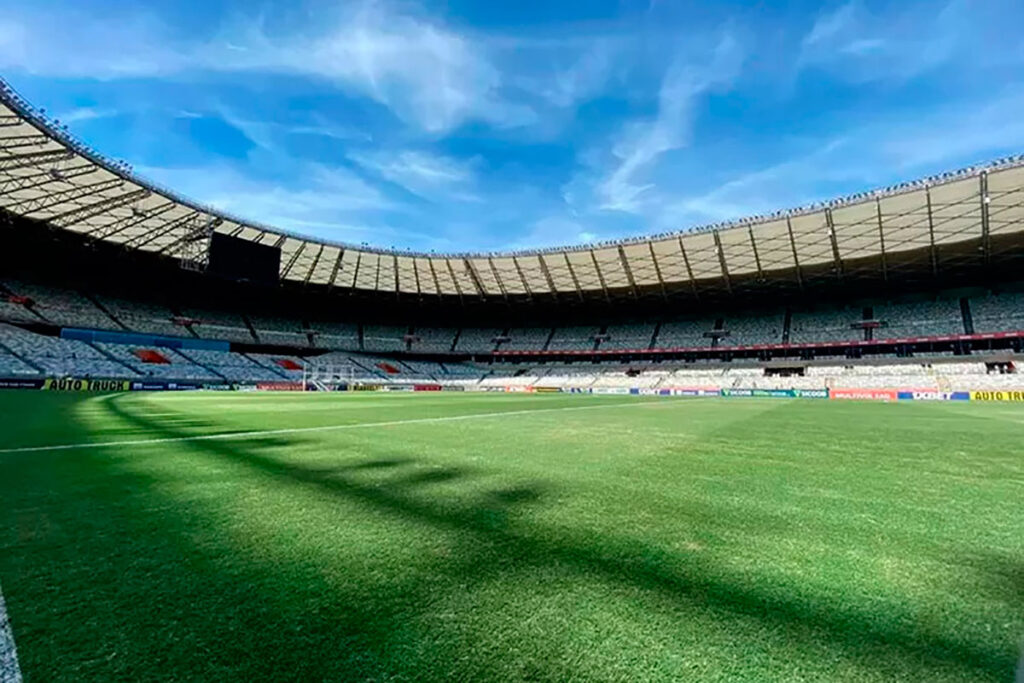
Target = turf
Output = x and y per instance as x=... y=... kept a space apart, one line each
x=624 y=539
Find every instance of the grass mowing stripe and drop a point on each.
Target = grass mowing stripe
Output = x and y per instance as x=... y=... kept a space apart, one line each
x=9 y=671
x=323 y=428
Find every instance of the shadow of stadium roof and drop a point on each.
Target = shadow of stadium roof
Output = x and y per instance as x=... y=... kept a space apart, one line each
x=944 y=228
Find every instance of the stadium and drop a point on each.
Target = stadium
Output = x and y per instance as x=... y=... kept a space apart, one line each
x=785 y=447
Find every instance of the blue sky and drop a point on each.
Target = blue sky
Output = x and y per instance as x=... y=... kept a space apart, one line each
x=467 y=125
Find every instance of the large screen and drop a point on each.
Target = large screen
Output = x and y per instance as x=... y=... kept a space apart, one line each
x=240 y=259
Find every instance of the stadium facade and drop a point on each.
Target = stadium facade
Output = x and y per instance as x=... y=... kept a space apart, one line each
x=106 y=276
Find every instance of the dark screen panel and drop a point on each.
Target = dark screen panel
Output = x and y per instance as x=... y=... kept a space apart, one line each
x=240 y=259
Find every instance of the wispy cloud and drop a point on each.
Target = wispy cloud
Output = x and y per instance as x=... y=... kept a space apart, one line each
x=421 y=173
x=644 y=141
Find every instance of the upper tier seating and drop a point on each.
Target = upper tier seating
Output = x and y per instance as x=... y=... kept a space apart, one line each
x=279 y=331
x=383 y=338
x=998 y=313
x=622 y=337
x=684 y=334
x=220 y=325
x=433 y=339
x=526 y=339
x=63 y=307
x=573 y=339
x=752 y=330
x=142 y=317
x=825 y=326
x=918 y=319
x=329 y=335
x=477 y=340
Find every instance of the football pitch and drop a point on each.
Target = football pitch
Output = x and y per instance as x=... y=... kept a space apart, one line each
x=392 y=537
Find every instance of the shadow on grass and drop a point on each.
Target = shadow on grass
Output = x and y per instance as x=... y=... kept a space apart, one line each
x=363 y=631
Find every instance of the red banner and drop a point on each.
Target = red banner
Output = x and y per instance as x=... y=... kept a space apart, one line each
x=865 y=394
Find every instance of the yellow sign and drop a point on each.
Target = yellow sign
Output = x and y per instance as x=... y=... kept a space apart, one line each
x=76 y=384
x=1001 y=395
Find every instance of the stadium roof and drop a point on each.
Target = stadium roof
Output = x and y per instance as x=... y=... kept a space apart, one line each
x=47 y=175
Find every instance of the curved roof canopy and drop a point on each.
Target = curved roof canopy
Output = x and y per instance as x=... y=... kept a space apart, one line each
x=47 y=175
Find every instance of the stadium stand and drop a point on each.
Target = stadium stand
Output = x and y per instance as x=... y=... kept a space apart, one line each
x=383 y=338
x=331 y=335
x=574 y=338
x=753 y=329
x=279 y=331
x=162 y=363
x=998 y=313
x=474 y=340
x=58 y=357
x=62 y=306
x=825 y=326
x=526 y=339
x=637 y=336
x=219 y=325
x=685 y=334
x=918 y=319
x=142 y=317
x=433 y=339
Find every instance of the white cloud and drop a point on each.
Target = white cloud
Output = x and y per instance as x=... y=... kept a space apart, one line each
x=423 y=174
x=85 y=114
x=328 y=199
x=644 y=141
x=427 y=74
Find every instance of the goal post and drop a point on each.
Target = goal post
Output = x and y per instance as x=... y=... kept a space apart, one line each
x=326 y=376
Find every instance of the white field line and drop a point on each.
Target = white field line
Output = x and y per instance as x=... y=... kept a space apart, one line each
x=9 y=671
x=322 y=428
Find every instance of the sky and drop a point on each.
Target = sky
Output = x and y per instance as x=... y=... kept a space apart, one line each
x=464 y=125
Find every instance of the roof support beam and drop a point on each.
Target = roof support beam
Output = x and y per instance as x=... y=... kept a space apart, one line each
x=394 y=265
x=721 y=261
x=881 y=240
x=376 y=277
x=600 y=276
x=986 y=238
x=455 y=280
x=416 y=276
x=628 y=271
x=796 y=259
x=316 y=262
x=689 y=270
x=9 y=120
x=237 y=231
x=657 y=271
x=84 y=213
x=147 y=237
x=475 y=277
x=931 y=233
x=433 y=274
x=355 y=273
x=835 y=243
x=572 y=274
x=497 y=278
x=43 y=202
x=294 y=259
x=130 y=221
x=21 y=141
x=522 y=278
x=12 y=161
x=757 y=257
x=547 y=275
x=42 y=178
x=336 y=269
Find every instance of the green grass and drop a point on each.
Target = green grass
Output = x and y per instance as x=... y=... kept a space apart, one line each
x=637 y=539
